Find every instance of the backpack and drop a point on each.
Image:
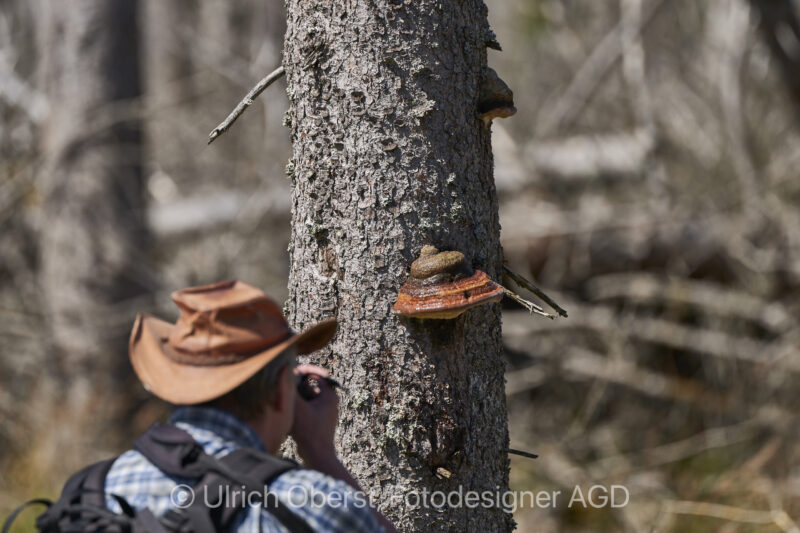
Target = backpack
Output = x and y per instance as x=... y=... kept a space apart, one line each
x=81 y=506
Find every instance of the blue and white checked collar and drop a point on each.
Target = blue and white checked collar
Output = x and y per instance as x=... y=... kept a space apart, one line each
x=209 y=425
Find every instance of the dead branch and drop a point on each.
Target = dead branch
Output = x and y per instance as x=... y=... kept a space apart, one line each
x=246 y=102
x=522 y=453
x=524 y=283
x=527 y=304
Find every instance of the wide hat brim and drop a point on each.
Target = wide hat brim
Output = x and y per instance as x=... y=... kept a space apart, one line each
x=184 y=384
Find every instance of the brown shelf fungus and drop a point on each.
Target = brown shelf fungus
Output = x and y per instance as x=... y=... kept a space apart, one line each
x=442 y=285
x=496 y=100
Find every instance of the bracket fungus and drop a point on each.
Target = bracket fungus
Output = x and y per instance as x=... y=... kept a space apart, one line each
x=496 y=99
x=442 y=285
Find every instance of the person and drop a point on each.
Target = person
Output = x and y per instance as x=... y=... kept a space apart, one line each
x=228 y=365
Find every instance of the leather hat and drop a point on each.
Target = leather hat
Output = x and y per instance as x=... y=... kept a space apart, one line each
x=226 y=332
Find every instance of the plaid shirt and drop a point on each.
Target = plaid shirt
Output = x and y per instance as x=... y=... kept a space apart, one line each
x=219 y=433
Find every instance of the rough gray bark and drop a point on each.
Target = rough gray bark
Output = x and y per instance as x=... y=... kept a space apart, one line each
x=389 y=155
x=92 y=231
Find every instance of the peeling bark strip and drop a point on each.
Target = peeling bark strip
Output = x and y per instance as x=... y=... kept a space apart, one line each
x=390 y=154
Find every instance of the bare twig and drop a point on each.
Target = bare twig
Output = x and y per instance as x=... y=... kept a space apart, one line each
x=523 y=453
x=524 y=283
x=246 y=102
x=530 y=306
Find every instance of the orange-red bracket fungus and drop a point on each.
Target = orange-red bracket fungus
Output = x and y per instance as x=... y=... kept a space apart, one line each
x=495 y=100
x=442 y=285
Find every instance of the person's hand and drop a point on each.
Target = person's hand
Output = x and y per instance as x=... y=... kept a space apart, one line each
x=315 y=419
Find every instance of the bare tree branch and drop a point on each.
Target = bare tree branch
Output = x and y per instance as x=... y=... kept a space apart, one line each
x=530 y=306
x=246 y=102
x=524 y=283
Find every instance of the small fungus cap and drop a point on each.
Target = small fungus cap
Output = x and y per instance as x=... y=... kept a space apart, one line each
x=442 y=285
x=496 y=99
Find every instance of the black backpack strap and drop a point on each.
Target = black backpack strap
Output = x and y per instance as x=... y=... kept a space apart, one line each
x=246 y=472
x=83 y=499
x=172 y=450
x=146 y=522
x=93 y=487
x=262 y=466
x=266 y=468
x=82 y=507
x=15 y=513
x=175 y=452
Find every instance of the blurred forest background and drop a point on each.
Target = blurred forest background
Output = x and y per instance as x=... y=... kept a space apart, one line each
x=648 y=182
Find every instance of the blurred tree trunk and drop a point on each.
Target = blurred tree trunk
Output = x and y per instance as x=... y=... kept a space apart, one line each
x=388 y=155
x=170 y=79
x=780 y=26
x=92 y=234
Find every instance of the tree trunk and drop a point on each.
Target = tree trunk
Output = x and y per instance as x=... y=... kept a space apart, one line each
x=92 y=236
x=389 y=155
x=172 y=86
x=780 y=26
